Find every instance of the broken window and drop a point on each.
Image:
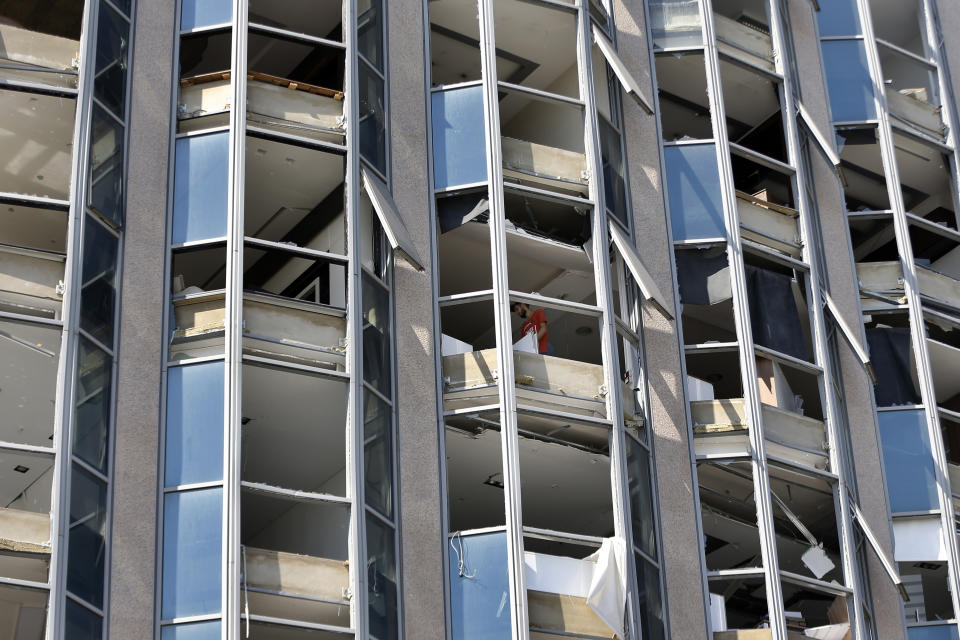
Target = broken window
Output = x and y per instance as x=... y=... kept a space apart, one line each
x=455 y=43
x=713 y=374
x=474 y=470
x=41 y=46
x=294 y=552
x=928 y=585
x=606 y=89
x=195 y=14
x=205 y=92
x=541 y=42
x=943 y=344
x=25 y=610
x=36 y=161
x=459 y=137
x=728 y=512
x=743 y=32
x=26 y=483
x=848 y=80
x=684 y=102
x=891 y=351
x=549 y=248
x=468 y=354
x=694 y=192
x=293 y=430
x=752 y=106
x=900 y=24
x=675 y=23
x=925 y=179
x=912 y=91
x=31 y=281
x=317 y=19
x=565 y=476
x=777 y=299
x=809 y=609
x=192 y=553
x=738 y=602
x=865 y=183
x=198 y=281
x=703 y=276
x=908 y=460
x=200 y=188
x=29 y=354
x=542 y=142
x=805 y=525
x=463 y=243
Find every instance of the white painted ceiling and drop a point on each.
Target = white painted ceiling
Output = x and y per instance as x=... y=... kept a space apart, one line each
x=36 y=141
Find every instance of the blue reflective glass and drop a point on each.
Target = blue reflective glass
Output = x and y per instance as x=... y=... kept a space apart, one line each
x=194 y=446
x=838 y=18
x=937 y=632
x=848 y=80
x=200 y=188
x=192 y=523
x=459 y=147
x=693 y=187
x=203 y=13
x=479 y=589
x=209 y=630
x=907 y=457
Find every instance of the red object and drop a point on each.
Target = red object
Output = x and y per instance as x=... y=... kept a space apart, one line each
x=534 y=323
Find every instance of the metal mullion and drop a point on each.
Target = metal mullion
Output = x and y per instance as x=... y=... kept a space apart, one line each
x=193 y=486
x=376 y=279
x=83 y=332
x=109 y=111
x=907 y=128
x=29 y=448
x=748 y=366
x=86 y=605
x=372 y=67
x=286 y=622
x=382 y=518
x=791 y=361
x=367 y=388
x=455 y=85
x=7 y=315
x=540 y=93
x=283 y=364
x=222 y=26
x=757 y=249
x=761 y=159
x=99 y=475
x=469 y=410
x=915 y=311
x=60 y=499
x=272 y=245
x=35 y=201
x=602 y=423
x=233 y=318
x=293 y=494
x=189 y=619
x=562 y=536
x=122 y=13
x=194 y=133
x=929 y=63
x=189 y=361
x=559 y=304
x=552 y=196
x=45 y=89
x=255 y=131
x=293 y=35
x=30 y=584
x=619 y=483
x=357 y=543
x=746 y=64
x=509 y=435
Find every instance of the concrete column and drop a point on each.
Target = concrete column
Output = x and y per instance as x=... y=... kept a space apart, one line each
x=421 y=505
x=844 y=289
x=676 y=486
x=133 y=570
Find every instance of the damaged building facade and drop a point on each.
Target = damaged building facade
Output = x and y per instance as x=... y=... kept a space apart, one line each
x=479 y=319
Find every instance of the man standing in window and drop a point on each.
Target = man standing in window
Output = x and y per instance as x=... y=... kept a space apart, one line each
x=535 y=321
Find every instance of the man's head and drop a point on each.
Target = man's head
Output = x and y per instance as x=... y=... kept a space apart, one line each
x=521 y=309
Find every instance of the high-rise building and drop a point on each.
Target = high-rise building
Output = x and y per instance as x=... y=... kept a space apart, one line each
x=479 y=319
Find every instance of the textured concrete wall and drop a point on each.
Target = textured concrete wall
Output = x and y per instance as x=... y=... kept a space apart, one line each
x=141 y=335
x=420 y=501
x=845 y=291
x=676 y=486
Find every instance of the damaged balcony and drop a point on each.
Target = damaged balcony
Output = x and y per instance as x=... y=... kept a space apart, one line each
x=41 y=47
x=294 y=79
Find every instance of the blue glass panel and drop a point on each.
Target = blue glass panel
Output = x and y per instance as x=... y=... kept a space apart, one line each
x=194 y=424
x=838 y=18
x=459 y=147
x=81 y=623
x=88 y=519
x=848 y=80
x=907 y=457
x=200 y=188
x=937 y=632
x=203 y=13
x=192 y=523
x=693 y=187
x=479 y=589
x=197 y=631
